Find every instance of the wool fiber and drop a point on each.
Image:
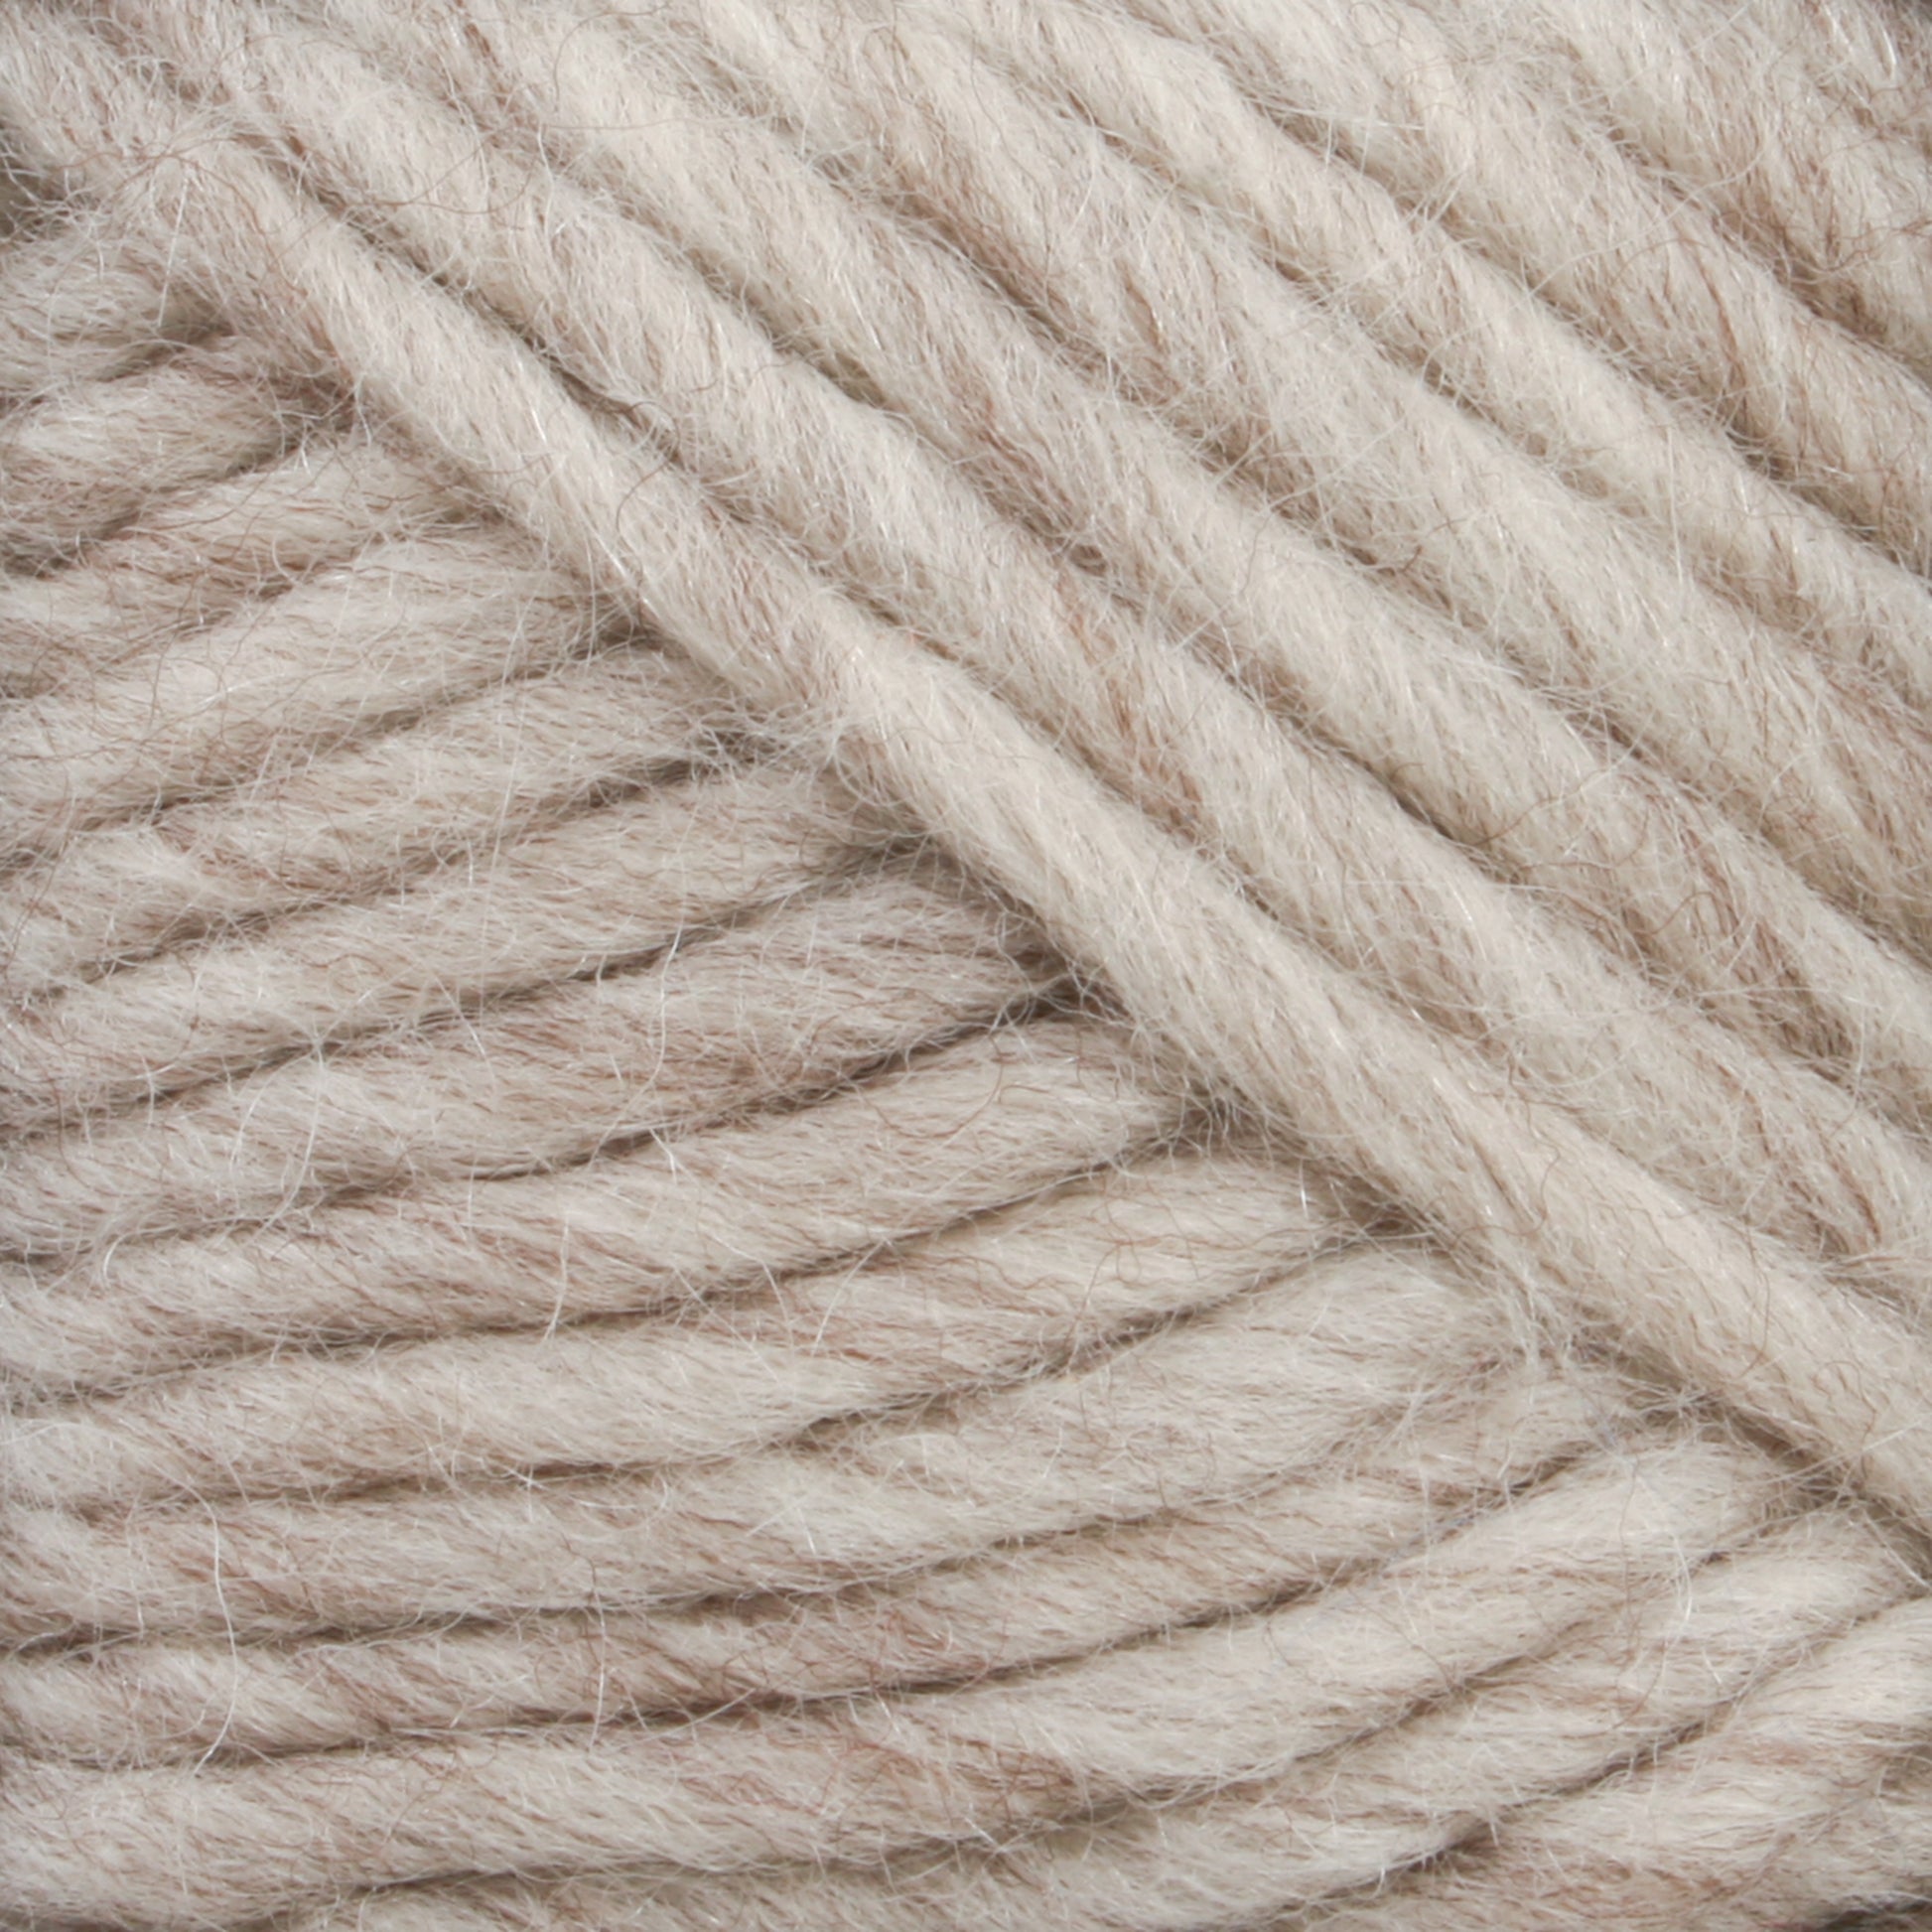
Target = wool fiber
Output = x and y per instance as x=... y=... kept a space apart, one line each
x=965 y=967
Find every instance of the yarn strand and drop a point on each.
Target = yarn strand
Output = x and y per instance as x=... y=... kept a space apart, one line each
x=965 y=968
x=1681 y=885
x=1842 y=1382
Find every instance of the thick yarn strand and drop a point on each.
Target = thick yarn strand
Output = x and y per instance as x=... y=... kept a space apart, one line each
x=1637 y=860
x=965 y=968
x=1837 y=1379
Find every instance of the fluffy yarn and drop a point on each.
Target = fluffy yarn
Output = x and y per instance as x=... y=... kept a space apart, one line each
x=967 y=965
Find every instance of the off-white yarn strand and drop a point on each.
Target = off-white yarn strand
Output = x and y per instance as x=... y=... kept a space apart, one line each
x=965 y=966
x=1843 y=1381
x=1671 y=880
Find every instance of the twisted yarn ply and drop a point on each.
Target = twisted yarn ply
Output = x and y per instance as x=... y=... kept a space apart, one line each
x=968 y=964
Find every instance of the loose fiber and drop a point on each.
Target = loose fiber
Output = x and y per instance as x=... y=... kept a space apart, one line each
x=965 y=966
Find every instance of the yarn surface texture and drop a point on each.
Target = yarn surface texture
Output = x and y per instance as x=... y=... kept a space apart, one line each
x=967 y=965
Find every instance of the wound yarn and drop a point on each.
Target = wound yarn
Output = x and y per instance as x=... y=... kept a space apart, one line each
x=965 y=965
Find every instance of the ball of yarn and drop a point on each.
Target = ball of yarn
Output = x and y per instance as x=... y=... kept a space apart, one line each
x=966 y=965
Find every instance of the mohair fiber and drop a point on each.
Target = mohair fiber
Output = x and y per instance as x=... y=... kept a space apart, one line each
x=967 y=965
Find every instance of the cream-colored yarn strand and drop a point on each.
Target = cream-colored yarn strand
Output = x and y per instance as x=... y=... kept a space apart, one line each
x=966 y=965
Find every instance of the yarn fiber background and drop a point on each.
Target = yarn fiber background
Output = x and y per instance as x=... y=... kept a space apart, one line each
x=968 y=965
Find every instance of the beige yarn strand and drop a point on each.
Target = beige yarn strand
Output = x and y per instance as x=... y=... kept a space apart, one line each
x=966 y=1128
x=1840 y=1380
x=965 y=966
x=189 y=559
x=878 y=1772
x=1343 y=1818
x=140 y=1700
x=63 y=472
x=373 y=812
x=1514 y=177
x=1679 y=881
x=1279 y=387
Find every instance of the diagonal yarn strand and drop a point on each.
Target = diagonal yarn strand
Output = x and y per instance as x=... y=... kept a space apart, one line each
x=965 y=966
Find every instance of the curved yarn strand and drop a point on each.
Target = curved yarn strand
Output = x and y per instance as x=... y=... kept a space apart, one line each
x=965 y=967
x=155 y=1699
x=1215 y=750
x=1265 y=1017
x=965 y=1128
x=1350 y=1817
x=874 y=1772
